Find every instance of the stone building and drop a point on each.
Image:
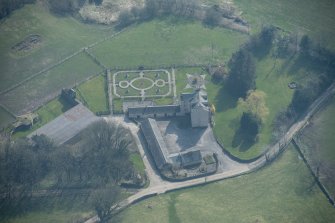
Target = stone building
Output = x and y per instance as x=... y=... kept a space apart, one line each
x=154 y=111
x=194 y=104
x=160 y=153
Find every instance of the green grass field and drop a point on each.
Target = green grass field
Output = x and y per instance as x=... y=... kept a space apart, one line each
x=61 y=36
x=49 y=84
x=169 y=41
x=315 y=18
x=5 y=118
x=136 y=159
x=324 y=131
x=94 y=94
x=317 y=143
x=276 y=193
x=60 y=209
x=273 y=77
x=47 y=113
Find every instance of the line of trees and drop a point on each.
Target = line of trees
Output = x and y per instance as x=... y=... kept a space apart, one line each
x=100 y=158
x=320 y=62
x=189 y=9
x=65 y=6
x=242 y=66
x=7 y=6
x=242 y=74
x=241 y=85
x=154 y=8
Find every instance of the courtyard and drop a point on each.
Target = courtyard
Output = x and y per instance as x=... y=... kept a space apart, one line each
x=180 y=137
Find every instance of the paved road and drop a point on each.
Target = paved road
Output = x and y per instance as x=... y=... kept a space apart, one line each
x=159 y=186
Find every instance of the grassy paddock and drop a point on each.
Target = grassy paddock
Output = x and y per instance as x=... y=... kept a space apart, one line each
x=317 y=143
x=5 y=118
x=38 y=90
x=61 y=36
x=315 y=18
x=94 y=94
x=169 y=41
x=243 y=199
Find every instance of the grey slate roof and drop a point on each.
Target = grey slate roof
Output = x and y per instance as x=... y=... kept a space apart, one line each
x=155 y=142
x=191 y=158
x=67 y=125
x=198 y=97
x=187 y=158
x=186 y=96
x=153 y=110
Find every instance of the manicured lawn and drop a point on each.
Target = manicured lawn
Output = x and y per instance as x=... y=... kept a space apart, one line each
x=315 y=18
x=46 y=86
x=156 y=75
x=47 y=113
x=181 y=79
x=127 y=92
x=276 y=193
x=61 y=36
x=142 y=83
x=159 y=91
x=94 y=94
x=124 y=76
x=169 y=41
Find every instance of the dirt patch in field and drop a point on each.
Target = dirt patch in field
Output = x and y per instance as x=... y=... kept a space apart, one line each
x=28 y=44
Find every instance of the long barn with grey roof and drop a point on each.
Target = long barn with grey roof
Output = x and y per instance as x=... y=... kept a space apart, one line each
x=155 y=143
x=154 y=111
x=195 y=104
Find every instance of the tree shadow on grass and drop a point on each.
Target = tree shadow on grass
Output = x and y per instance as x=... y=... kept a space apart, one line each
x=65 y=104
x=224 y=100
x=68 y=201
x=307 y=63
x=242 y=141
x=261 y=52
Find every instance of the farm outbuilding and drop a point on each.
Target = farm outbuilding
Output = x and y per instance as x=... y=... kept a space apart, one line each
x=194 y=104
x=154 y=111
x=155 y=143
